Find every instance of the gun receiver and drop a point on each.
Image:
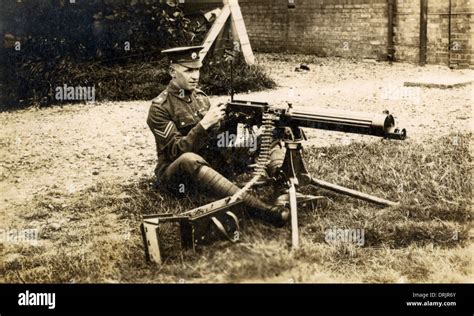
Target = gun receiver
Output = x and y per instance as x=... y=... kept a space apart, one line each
x=381 y=125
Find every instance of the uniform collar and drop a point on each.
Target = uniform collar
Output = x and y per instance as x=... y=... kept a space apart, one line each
x=176 y=91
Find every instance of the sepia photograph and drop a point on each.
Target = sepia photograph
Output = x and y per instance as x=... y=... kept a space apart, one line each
x=237 y=141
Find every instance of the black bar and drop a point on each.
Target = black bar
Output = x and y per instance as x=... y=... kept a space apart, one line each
x=290 y=299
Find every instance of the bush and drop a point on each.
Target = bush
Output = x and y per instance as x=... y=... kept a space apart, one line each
x=83 y=45
x=215 y=76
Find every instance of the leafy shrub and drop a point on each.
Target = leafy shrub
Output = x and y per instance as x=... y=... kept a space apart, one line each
x=215 y=76
x=83 y=44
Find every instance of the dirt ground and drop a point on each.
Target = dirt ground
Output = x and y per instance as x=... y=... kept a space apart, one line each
x=71 y=147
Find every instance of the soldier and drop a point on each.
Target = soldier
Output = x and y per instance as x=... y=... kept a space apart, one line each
x=185 y=124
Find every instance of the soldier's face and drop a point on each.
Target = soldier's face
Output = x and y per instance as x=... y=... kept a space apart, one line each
x=186 y=78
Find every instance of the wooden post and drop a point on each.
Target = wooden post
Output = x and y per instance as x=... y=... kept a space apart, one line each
x=449 y=33
x=390 y=44
x=239 y=31
x=237 y=26
x=216 y=28
x=423 y=30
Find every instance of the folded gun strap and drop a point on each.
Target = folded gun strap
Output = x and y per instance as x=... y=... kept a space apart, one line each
x=221 y=228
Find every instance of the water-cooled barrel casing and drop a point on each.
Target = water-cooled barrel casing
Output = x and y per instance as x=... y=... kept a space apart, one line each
x=381 y=125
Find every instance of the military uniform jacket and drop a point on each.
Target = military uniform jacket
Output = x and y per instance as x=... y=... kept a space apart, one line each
x=174 y=121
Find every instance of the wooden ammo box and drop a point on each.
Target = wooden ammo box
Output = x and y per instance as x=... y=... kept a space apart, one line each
x=199 y=226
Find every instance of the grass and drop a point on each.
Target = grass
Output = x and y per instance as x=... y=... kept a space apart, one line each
x=93 y=235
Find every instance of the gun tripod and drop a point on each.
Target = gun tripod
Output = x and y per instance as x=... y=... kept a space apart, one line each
x=294 y=172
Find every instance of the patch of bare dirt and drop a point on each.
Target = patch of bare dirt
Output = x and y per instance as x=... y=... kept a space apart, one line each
x=72 y=147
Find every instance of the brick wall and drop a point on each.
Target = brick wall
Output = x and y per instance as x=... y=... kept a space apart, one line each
x=407 y=23
x=356 y=28
x=462 y=34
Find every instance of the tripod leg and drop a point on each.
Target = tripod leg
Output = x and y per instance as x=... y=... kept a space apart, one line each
x=352 y=193
x=294 y=215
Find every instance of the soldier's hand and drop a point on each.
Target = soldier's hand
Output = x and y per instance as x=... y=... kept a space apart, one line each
x=215 y=115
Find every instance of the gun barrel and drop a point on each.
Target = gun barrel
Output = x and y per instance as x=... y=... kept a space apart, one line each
x=382 y=125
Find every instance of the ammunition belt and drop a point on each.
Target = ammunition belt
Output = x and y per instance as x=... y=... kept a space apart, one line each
x=263 y=158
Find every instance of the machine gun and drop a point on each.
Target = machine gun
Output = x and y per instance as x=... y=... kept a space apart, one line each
x=252 y=113
x=285 y=124
x=222 y=218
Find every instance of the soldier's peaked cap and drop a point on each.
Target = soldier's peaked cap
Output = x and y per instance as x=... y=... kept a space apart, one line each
x=187 y=56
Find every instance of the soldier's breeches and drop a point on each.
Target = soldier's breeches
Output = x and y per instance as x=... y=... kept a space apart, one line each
x=178 y=176
x=192 y=170
x=221 y=186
